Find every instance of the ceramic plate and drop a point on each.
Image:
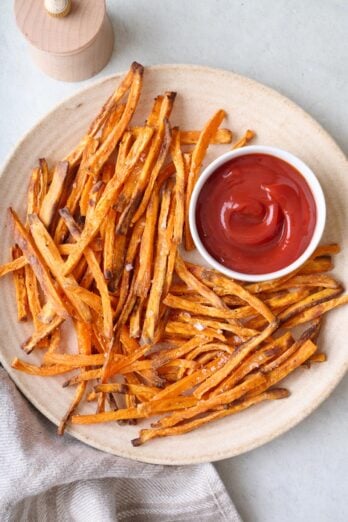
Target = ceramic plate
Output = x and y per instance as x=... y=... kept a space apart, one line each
x=278 y=122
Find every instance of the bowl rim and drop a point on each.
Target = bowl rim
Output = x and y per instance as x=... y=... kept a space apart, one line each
x=313 y=184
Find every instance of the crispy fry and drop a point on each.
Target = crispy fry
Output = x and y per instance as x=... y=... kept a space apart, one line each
x=97 y=274
x=198 y=154
x=33 y=296
x=95 y=163
x=43 y=371
x=111 y=121
x=248 y=385
x=305 y=351
x=326 y=250
x=136 y=389
x=210 y=311
x=41 y=333
x=20 y=288
x=316 y=280
x=144 y=275
x=129 y=266
x=248 y=136
x=90 y=298
x=44 y=176
x=38 y=265
x=77 y=188
x=309 y=302
x=161 y=145
x=83 y=331
x=178 y=328
x=236 y=358
x=106 y=201
x=148 y=434
x=135 y=319
x=254 y=362
x=33 y=197
x=51 y=200
x=179 y=191
x=47 y=248
x=319 y=264
x=221 y=137
x=109 y=246
x=316 y=311
x=16 y=264
x=152 y=309
x=233 y=288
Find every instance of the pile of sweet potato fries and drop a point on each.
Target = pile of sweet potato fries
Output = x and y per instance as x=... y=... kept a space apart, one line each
x=100 y=246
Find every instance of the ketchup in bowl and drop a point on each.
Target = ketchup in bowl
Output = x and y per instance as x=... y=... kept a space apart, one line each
x=255 y=214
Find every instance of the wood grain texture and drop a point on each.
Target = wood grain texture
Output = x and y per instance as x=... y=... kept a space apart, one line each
x=72 y=48
x=278 y=122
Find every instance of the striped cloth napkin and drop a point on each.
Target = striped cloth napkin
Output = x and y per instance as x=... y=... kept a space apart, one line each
x=49 y=478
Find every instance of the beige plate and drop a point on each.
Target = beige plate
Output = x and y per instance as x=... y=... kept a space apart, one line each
x=278 y=122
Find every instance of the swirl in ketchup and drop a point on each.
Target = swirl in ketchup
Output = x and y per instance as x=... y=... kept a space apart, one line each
x=255 y=214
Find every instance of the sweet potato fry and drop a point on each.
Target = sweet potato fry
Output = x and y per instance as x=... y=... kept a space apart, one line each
x=248 y=136
x=41 y=333
x=308 y=302
x=179 y=190
x=236 y=358
x=96 y=272
x=33 y=296
x=33 y=197
x=109 y=246
x=319 y=264
x=15 y=264
x=311 y=280
x=132 y=251
x=233 y=288
x=198 y=154
x=20 y=288
x=112 y=120
x=251 y=383
x=77 y=188
x=161 y=144
x=90 y=298
x=309 y=334
x=178 y=328
x=148 y=434
x=102 y=154
x=326 y=250
x=221 y=137
x=316 y=311
x=144 y=275
x=255 y=361
x=160 y=263
x=83 y=332
x=48 y=250
x=42 y=371
x=210 y=311
x=106 y=201
x=51 y=200
x=74 y=157
x=305 y=351
x=38 y=265
x=44 y=176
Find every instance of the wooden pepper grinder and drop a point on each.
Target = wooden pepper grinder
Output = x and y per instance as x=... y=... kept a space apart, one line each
x=70 y=40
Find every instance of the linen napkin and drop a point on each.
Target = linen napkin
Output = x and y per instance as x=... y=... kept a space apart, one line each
x=44 y=477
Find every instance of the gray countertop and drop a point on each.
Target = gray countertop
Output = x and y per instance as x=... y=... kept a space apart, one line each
x=299 y=48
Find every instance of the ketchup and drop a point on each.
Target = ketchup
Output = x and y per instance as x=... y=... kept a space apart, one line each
x=255 y=214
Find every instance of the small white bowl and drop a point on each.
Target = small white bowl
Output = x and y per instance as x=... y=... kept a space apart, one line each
x=313 y=184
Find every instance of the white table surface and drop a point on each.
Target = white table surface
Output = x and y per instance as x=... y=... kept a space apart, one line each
x=297 y=47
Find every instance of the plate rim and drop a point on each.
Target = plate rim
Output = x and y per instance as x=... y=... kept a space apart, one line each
x=213 y=455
